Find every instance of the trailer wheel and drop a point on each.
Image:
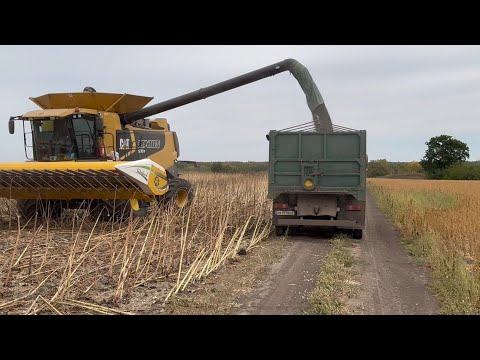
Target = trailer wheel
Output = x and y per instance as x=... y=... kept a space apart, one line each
x=279 y=230
x=357 y=233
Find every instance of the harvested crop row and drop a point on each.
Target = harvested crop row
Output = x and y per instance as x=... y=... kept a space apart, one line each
x=77 y=265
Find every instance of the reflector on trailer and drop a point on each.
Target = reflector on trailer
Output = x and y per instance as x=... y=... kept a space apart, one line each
x=280 y=206
x=355 y=207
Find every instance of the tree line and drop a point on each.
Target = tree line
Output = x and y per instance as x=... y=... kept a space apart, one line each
x=445 y=158
x=225 y=167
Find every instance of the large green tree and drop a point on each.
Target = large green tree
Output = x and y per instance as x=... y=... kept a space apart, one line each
x=443 y=151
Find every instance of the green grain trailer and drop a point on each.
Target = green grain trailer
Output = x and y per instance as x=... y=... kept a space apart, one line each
x=318 y=178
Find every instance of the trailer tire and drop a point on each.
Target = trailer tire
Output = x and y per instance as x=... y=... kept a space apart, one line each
x=279 y=230
x=357 y=234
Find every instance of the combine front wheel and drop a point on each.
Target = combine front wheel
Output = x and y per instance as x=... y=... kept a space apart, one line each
x=180 y=193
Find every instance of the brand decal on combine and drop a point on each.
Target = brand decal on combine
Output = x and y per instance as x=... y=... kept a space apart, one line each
x=142 y=173
x=136 y=145
x=149 y=144
x=160 y=181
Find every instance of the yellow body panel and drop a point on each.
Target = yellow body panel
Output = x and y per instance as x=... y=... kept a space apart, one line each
x=40 y=114
x=158 y=181
x=160 y=124
x=111 y=123
x=167 y=156
x=62 y=165
x=118 y=103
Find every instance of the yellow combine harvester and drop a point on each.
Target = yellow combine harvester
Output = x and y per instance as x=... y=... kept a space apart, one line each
x=100 y=150
x=80 y=150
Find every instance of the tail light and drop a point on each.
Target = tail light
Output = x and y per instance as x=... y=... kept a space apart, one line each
x=354 y=207
x=101 y=151
x=280 y=206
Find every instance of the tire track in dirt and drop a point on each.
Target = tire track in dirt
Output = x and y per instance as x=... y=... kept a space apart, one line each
x=285 y=289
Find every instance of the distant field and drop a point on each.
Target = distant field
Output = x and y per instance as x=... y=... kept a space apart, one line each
x=418 y=176
x=440 y=222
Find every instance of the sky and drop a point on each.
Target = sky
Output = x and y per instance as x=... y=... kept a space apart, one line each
x=401 y=95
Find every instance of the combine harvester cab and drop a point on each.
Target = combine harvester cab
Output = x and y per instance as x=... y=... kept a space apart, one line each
x=81 y=154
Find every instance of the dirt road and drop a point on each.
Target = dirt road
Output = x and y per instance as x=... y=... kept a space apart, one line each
x=285 y=288
x=392 y=283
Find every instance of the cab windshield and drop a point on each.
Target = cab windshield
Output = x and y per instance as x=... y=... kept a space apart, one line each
x=64 y=139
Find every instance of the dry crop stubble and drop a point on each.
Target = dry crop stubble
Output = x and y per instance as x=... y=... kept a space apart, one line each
x=82 y=265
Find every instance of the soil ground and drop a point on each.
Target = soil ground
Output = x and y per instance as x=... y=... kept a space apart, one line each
x=392 y=281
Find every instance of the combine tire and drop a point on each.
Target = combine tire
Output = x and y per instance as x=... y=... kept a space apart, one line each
x=179 y=194
x=28 y=208
x=119 y=210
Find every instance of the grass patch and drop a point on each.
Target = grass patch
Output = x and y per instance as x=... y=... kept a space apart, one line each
x=453 y=277
x=433 y=199
x=335 y=283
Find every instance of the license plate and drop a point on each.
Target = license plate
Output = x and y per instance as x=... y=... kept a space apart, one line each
x=284 y=212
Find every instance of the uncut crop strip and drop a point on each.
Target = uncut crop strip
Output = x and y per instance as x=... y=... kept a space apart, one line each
x=66 y=266
x=448 y=208
x=440 y=219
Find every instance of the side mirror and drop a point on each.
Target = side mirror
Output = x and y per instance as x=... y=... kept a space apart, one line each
x=268 y=137
x=11 y=126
